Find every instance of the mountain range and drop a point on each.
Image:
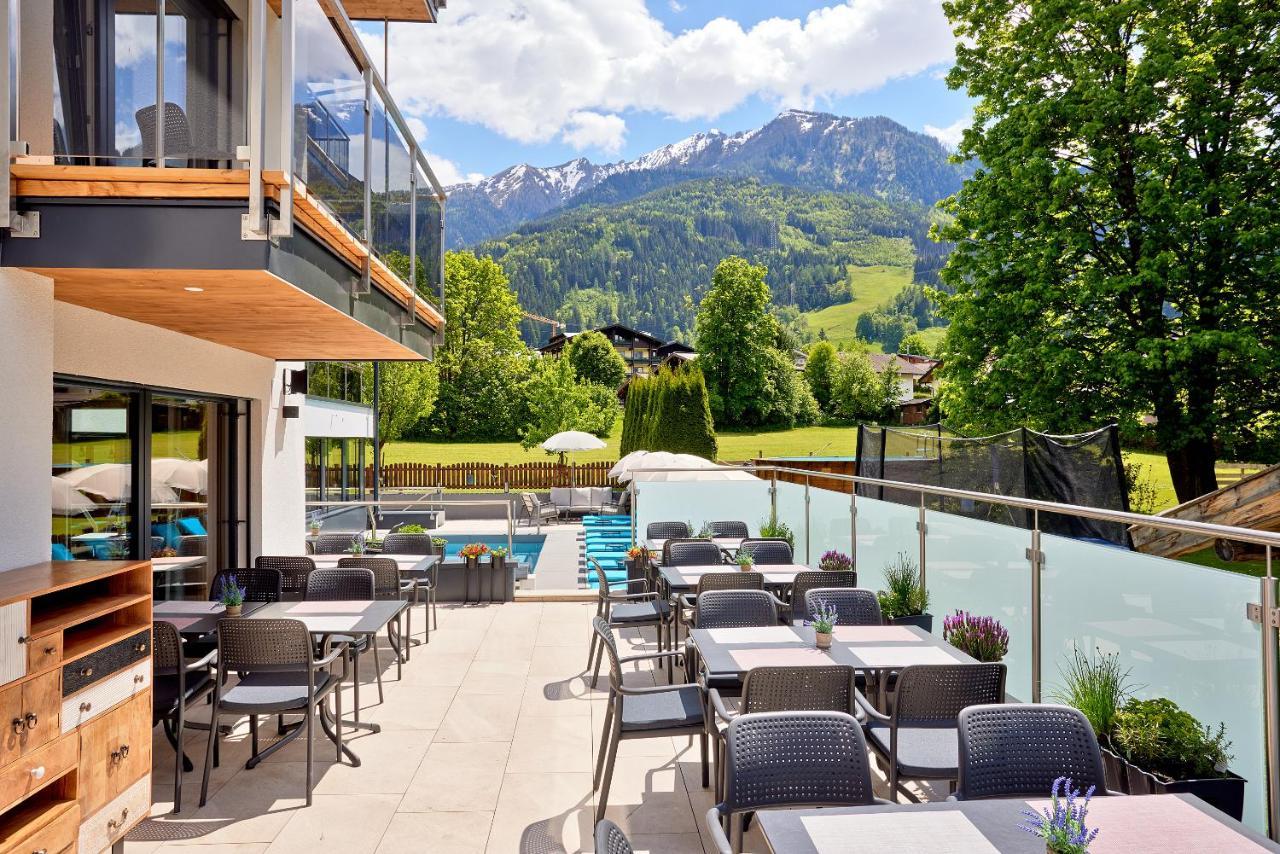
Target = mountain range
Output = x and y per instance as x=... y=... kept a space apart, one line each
x=873 y=156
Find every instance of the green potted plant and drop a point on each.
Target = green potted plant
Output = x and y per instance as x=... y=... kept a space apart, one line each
x=704 y=531
x=413 y=528
x=823 y=620
x=314 y=527
x=904 y=602
x=439 y=544
x=231 y=595
x=772 y=529
x=745 y=562
x=981 y=638
x=357 y=545
x=1167 y=750
x=496 y=574
x=1098 y=686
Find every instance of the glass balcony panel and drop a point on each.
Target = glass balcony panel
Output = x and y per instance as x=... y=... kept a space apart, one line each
x=392 y=167
x=1179 y=628
x=790 y=513
x=328 y=111
x=884 y=530
x=428 y=246
x=982 y=567
x=829 y=528
x=700 y=502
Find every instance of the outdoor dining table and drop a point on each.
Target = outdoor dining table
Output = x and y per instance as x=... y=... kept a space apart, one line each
x=354 y=618
x=1129 y=824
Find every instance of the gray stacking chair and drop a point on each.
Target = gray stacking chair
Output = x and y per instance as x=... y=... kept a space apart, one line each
x=335 y=544
x=178 y=684
x=781 y=689
x=1017 y=750
x=292 y=568
x=767 y=551
x=652 y=712
x=666 y=530
x=789 y=760
x=920 y=739
x=260 y=584
x=279 y=673
x=854 y=605
x=626 y=611
x=730 y=529
x=611 y=840
x=730 y=579
x=427 y=582
x=340 y=585
x=806 y=581
x=387 y=585
x=729 y=609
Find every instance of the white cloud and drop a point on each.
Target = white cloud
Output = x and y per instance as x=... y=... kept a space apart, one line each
x=675 y=6
x=448 y=173
x=538 y=70
x=951 y=134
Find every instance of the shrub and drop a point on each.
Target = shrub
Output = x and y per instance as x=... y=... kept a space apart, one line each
x=414 y=528
x=773 y=529
x=904 y=597
x=1098 y=687
x=1163 y=739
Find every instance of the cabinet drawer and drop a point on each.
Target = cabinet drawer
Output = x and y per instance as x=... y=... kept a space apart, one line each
x=95 y=666
x=35 y=723
x=44 y=651
x=37 y=769
x=100 y=831
x=115 y=750
x=13 y=648
x=93 y=701
x=45 y=834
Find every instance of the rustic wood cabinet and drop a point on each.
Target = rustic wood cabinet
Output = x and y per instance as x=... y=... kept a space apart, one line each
x=75 y=705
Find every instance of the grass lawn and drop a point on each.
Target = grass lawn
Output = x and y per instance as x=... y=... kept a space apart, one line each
x=872 y=287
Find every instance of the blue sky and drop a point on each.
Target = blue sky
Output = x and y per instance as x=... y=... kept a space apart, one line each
x=499 y=82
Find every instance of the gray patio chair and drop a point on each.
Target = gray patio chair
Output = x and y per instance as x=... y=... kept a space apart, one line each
x=335 y=544
x=652 y=712
x=815 y=579
x=780 y=689
x=854 y=605
x=1017 y=750
x=293 y=569
x=730 y=579
x=729 y=609
x=538 y=512
x=626 y=611
x=177 y=684
x=691 y=552
x=387 y=585
x=426 y=582
x=666 y=530
x=259 y=584
x=341 y=585
x=279 y=673
x=767 y=551
x=193 y=545
x=730 y=529
x=610 y=839
x=920 y=739
x=789 y=760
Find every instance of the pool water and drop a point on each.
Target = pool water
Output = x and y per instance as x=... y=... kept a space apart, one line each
x=525 y=548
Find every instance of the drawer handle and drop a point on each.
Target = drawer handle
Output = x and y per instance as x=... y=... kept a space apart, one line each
x=86 y=671
x=33 y=720
x=114 y=824
x=38 y=772
x=118 y=756
x=40 y=851
x=140 y=646
x=18 y=724
x=138 y=679
x=50 y=650
x=84 y=707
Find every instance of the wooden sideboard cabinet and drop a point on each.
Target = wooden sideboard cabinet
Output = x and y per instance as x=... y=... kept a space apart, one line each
x=75 y=705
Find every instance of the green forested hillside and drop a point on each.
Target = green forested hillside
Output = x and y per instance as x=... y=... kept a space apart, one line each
x=647 y=261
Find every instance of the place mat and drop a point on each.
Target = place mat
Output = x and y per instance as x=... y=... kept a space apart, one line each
x=875 y=634
x=1156 y=823
x=779 y=656
x=188 y=607
x=331 y=625
x=899 y=656
x=340 y=607
x=769 y=635
x=180 y=623
x=897 y=832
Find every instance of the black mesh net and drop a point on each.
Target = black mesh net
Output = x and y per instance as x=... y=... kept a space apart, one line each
x=1083 y=469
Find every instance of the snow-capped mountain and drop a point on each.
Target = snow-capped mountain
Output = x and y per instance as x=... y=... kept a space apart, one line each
x=874 y=156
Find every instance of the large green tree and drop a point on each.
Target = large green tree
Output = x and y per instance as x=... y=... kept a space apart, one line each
x=596 y=360
x=407 y=392
x=735 y=335
x=820 y=372
x=1117 y=248
x=558 y=401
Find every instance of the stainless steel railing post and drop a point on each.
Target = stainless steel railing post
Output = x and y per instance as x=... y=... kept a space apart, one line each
x=806 y=519
x=1036 y=557
x=1271 y=690
x=853 y=526
x=922 y=527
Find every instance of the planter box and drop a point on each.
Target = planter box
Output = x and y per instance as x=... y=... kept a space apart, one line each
x=635 y=570
x=482 y=584
x=923 y=621
x=1223 y=793
x=1116 y=770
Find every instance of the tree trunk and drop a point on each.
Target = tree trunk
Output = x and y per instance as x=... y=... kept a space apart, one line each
x=1191 y=467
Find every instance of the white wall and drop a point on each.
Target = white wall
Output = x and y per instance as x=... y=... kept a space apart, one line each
x=26 y=417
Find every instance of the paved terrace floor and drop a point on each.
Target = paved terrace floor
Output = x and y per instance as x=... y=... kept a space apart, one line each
x=487 y=744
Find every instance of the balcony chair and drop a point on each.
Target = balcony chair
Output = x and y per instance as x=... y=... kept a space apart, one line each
x=1017 y=750
x=387 y=586
x=536 y=512
x=293 y=570
x=429 y=581
x=177 y=132
x=652 y=712
x=691 y=551
x=728 y=608
x=814 y=580
x=767 y=551
x=341 y=585
x=919 y=740
x=789 y=760
x=626 y=611
x=730 y=530
x=335 y=544
x=854 y=606
x=666 y=530
x=260 y=584
x=178 y=684
x=780 y=689
x=727 y=580
x=611 y=840
x=279 y=673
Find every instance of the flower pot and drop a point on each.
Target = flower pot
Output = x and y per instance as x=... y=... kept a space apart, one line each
x=1224 y=793
x=746 y=567
x=1116 y=771
x=234 y=610
x=472 y=567
x=635 y=570
x=822 y=640
x=922 y=621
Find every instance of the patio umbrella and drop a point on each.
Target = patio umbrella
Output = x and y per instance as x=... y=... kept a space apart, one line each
x=705 y=474
x=666 y=460
x=632 y=460
x=67 y=499
x=187 y=475
x=113 y=482
x=572 y=440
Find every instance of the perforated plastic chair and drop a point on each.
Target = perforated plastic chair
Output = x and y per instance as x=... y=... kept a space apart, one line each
x=920 y=739
x=730 y=529
x=1017 y=750
x=691 y=552
x=259 y=584
x=178 y=684
x=334 y=544
x=781 y=689
x=767 y=551
x=732 y=609
x=426 y=582
x=789 y=760
x=342 y=585
x=625 y=611
x=387 y=585
x=292 y=568
x=727 y=580
x=279 y=673
x=653 y=712
x=611 y=840
x=854 y=605
x=666 y=530
x=816 y=579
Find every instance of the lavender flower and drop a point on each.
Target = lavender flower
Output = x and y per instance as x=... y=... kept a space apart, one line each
x=981 y=637
x=1062 y=828
x=231 y=594
x=825 y=617
x=835 y=561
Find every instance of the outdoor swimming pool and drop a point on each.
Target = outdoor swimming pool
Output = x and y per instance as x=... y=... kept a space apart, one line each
x=525 y=547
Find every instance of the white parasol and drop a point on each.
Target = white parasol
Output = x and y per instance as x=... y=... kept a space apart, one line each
x=113 y=482
x=67 y=499
x=187 y=475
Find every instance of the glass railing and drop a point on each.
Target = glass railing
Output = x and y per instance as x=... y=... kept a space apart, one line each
x=1182 y=630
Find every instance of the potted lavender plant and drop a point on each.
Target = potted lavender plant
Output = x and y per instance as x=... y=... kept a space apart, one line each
x=982 y=638
x=1062 y=825
x=823 y=620
x=232 y=596
x=835 y=561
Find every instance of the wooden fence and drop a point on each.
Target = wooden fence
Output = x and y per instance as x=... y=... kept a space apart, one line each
x=488 y=476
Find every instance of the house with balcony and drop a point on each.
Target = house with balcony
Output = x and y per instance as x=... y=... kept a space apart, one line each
x=642 y=351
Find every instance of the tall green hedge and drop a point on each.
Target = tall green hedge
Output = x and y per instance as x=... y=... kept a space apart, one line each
x=669 y=412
